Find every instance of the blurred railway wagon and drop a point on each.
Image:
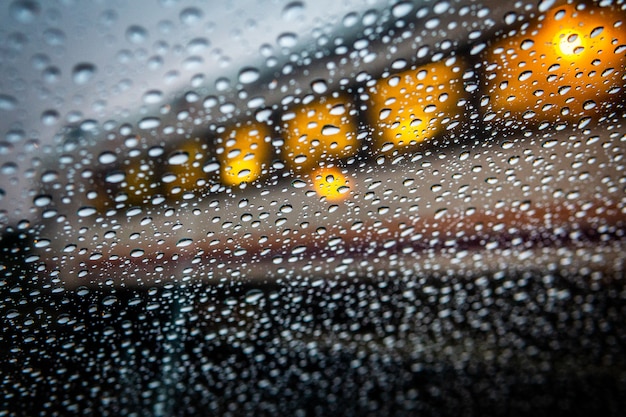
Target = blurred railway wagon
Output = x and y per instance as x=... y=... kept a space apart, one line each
x=286 y=179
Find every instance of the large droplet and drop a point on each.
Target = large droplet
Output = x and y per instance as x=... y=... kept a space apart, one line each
x=248 y=75
x=24 y=11
x=293 y=11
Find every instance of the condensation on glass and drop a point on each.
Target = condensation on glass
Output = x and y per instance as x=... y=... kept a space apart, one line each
x=314 y=209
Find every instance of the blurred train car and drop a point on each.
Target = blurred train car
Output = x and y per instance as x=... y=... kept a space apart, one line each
x=457 y=154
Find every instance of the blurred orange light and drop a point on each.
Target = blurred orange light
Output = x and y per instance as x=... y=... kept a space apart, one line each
x=246 y=153
x=330 y=183
x=323 y=130
x=414 y=106
x=563 y=66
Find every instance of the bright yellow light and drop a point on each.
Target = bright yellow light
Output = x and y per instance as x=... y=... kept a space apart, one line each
x=562 y=67
x=324 y=130
x=569 y=43
x=246 y=154
x=416 y=105
x=330 y=183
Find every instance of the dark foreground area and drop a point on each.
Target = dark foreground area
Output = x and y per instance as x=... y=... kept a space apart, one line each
x=540 y=342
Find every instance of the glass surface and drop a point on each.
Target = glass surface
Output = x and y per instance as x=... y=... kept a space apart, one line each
x=312 y=208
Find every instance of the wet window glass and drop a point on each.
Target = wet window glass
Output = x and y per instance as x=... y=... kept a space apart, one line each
x=312 y=208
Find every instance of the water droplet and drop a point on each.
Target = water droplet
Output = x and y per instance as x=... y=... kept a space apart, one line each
x=550 y=143
x=153 y=96
x=253 y=296
x=287 y=40
x=7 y=102
x=136 y=34
x=136 y=253
x=86 y=211
x=211 y=167
x=596 y=31
x=319 y=86
x=42 y=243
x=24 y=11
x=248 y=75
x=329 y=130
x=115 y=177
x=197 y=45
x=263 y=115
x=54 y=37
x=432 y=23
x=401 y=9
x=107 y=157
x=440 y=213
x=293 y=11
x=83 y=73
x=155 y=151
x=109 y=300
x=178 y=158
x=510 y=18
x=441 y=7
x=51 y=74
x=42 y=200
x=222 y=84
x=298 y=184
x=149 y=123
x=527 y=44
x=8 y=168
x=50 y=117
x=589 y=104
x=525 y=75
x=184 y=242
x=545 y=5
x=190 y=16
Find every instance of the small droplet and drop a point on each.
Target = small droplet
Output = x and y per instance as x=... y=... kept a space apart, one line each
x=184 y=242
x=525 y=75
x=153 y=96
x=7 y=102
x=253 y=296
x=178 y=158
x=136 y=34
x=51 y=75
x=83 y=73
x=50 y=117
x=149 y=123
x=288 y=40
x=527 y=44
x=109 y=300
x=54 y=37
x=401 y=9
x=319 y=86
x=298 y=184
x=115 y=177
x=329 y=130
x=190 y=16
x=86 y=211
x=42 y=200
x=136 y=253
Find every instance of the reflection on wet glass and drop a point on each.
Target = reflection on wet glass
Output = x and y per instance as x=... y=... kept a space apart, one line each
x=313 y=209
